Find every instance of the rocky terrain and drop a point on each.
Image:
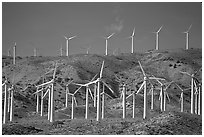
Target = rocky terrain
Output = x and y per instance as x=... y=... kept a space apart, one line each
x=29 y=71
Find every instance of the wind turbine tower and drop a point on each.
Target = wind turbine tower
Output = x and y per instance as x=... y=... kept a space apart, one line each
x=61 y=51
x=187 y=37
x=106 y=38
x=157 y=37
x=14 y=54
x=35 y=52
x=67 y=43
x=9 y=52
x=132 y=37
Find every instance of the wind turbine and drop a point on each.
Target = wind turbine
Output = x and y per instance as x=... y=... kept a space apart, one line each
x=151 y=91
x=87 y=50
x=181 y=96
x=163 y=94
x=67 y=91
x=95 y=94
x=14 y=54
x=51 y=95
x=67 y=43
x=187 y=37
x=103 y=101
x=123 y=95
x=5 y=118
x=124 y=100
x=98 y=81
x=9 y=89
x=199 y=98
x=144 y=86
x=73 y=100
x=106 y=38
x=157 y=37
x=88 y=90
x=35 y=52
x=9 y=52
x=61 y=50
x=132 y=37
x=192 y=87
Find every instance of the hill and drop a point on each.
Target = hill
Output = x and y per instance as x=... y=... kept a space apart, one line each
x=80 y=68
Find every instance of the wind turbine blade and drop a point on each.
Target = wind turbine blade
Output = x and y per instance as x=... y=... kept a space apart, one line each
x=142 y=69
x=60 y=86
x=44 y=84
x=108 y=95
x=196 y=88
x=184 y=32
x=69 y=82
x=72 y=37
x=48 y=72
x=178 y=86
x=104 y=37
x=140 y=87
x=160 y=95
x=128 y=37
x=41 y=89
x=82 y=85
x=180 y=97
x=70 y=94
x=197 y=71
x=169 y=84
x=159 y=29
x=133 y=32
x=45 y=93
x=168 y=96
x=185 y=73
x=110 y=35
x=65 y=37
x=75 y=101
x=129 y=95
x=90 y=93
x=158 y=80
x=189 y=28
x=77 y=90
x=150 y=90
x=108 y=87
x=36 y=92
x=187 y=89
x=92 y=82
x=116 y=76
x=94 y=77
x=101 y=72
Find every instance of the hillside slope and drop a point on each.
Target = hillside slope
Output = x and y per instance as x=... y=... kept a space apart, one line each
x=80 y=68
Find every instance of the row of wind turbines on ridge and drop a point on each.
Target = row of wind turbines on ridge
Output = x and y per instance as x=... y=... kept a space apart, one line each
x=108 y=37
x=132 y=41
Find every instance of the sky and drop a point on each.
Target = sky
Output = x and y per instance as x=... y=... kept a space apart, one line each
x=42 y=26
